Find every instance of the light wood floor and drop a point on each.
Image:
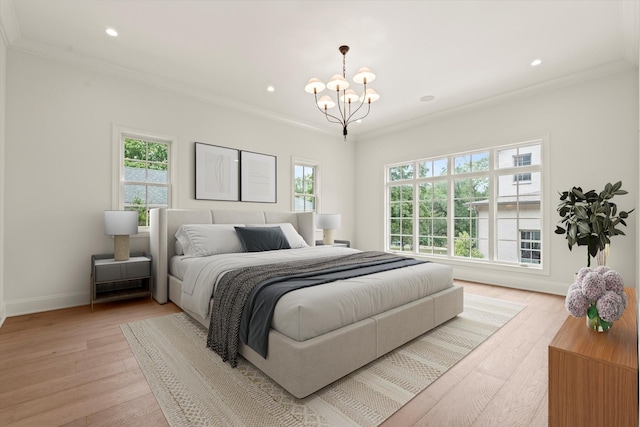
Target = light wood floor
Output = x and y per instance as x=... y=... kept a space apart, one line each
x=73 y=367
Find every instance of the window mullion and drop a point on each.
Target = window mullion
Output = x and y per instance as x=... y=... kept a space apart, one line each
x=416 y=210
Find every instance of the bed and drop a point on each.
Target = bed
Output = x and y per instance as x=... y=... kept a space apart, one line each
x=306 y=353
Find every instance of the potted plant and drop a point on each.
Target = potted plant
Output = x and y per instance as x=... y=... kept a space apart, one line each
x=590 y=218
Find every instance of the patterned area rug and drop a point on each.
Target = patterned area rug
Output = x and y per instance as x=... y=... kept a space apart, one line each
x=195 y=388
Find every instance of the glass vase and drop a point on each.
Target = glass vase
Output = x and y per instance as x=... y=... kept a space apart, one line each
x=602 y=257
x=597 y=324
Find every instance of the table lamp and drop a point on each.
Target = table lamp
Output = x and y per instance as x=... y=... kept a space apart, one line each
x=328 y=223
x=120 y=224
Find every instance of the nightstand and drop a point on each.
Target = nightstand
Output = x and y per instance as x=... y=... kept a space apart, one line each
x=113 y=280
x=343 y=243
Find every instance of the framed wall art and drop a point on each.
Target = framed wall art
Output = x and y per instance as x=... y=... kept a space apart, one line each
x=258 y=177
x=217 y=172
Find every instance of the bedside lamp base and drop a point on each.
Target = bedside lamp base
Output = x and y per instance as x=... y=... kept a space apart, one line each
x=327 y=236
x=121 y=247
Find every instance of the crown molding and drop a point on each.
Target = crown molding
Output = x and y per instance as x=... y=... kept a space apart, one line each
x=9 y=30
x=75 y=59
x=630 y=24
x=565 y=81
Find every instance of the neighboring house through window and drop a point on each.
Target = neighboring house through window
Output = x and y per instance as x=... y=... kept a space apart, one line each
x=530 y=246
x=305 y=185
x=522 y=160
x=144 y=171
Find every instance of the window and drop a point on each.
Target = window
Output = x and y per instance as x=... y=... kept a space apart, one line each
x=145 y=165
x=530 y=246
x=460 y=206
x=522 y=160
x=305 y=186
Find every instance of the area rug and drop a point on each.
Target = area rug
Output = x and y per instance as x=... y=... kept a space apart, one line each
x=195 y=388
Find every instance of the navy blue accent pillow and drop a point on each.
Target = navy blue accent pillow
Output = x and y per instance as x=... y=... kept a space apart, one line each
x=258 y=239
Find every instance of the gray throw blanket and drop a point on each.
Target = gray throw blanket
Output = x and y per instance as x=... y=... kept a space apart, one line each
x=234 y=288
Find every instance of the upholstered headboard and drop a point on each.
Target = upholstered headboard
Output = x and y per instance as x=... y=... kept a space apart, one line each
x=165 y=222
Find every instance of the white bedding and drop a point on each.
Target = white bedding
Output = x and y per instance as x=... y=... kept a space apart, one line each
x=310 y=312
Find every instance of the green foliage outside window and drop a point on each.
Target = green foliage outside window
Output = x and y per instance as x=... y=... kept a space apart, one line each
x=138 y=153
x=432 y=204
x=304 y=188
x=146 y=176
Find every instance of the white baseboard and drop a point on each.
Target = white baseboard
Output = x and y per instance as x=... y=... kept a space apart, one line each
x=46 y=303
x=3 y=313
x=533 y=283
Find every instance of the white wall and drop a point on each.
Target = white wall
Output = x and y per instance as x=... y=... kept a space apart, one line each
x=593 y=139
x=3 y=85
x=59 y=169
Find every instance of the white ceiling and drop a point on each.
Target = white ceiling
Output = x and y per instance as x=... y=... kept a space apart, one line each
x=228 y=52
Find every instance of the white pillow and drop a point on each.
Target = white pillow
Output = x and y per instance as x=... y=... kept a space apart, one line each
x=178 y=248
x=209 y=239
x=295 y=240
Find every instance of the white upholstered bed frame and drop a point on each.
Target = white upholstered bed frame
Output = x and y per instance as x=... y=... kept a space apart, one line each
x=302 y=367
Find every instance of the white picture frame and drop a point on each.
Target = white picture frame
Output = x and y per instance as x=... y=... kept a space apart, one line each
x=258 y=177
x=217 y=172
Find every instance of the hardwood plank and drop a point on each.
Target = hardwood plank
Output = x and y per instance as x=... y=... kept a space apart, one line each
x=63 y=367
x=25 y=392
x=104 y=391
x=138 y=411
x=499 y=356
x=473 y=394
x=73 y=367
x=512 y=404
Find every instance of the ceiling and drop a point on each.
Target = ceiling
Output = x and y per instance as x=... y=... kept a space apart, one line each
x=463 y=53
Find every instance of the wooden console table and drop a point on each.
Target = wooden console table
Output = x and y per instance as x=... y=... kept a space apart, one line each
x=593 y=376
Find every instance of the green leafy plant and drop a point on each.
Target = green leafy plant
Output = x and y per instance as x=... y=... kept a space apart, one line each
x=590 y=218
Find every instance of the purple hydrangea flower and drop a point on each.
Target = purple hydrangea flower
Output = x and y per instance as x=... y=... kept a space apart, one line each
x=625 y=300
x=602 y=269
x=593 y=286
x=581 y=273
x=610 y=307
x=576 y=303
x=613 y=282
x=574 y=286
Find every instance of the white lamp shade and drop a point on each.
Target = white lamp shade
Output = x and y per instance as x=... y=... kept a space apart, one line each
x=337 y=82
x=350 y=95
x=363 y=76
x=328 y=221
x=119 y=223
x=314 y=86
x=326 y=102
x=370 y=96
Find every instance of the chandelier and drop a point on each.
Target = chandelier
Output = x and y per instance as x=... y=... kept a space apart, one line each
x=348 y=101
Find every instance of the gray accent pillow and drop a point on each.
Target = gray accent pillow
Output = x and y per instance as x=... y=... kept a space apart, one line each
x=258 y=239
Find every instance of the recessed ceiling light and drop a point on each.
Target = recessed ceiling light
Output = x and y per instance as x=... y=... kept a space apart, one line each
x=536 y=62
x=112 y=32
x=427 y=98
x=271 y=89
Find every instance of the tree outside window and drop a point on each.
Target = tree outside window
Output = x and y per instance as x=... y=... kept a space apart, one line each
x=468 y=205
x=146 y=178
x=304 y=184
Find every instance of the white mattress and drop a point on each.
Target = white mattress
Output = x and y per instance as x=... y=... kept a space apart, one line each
x=310 y=312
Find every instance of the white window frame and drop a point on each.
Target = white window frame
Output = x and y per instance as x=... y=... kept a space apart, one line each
x=297 y=161
x=117 y=189
x=531 y=241
x=495 y=172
